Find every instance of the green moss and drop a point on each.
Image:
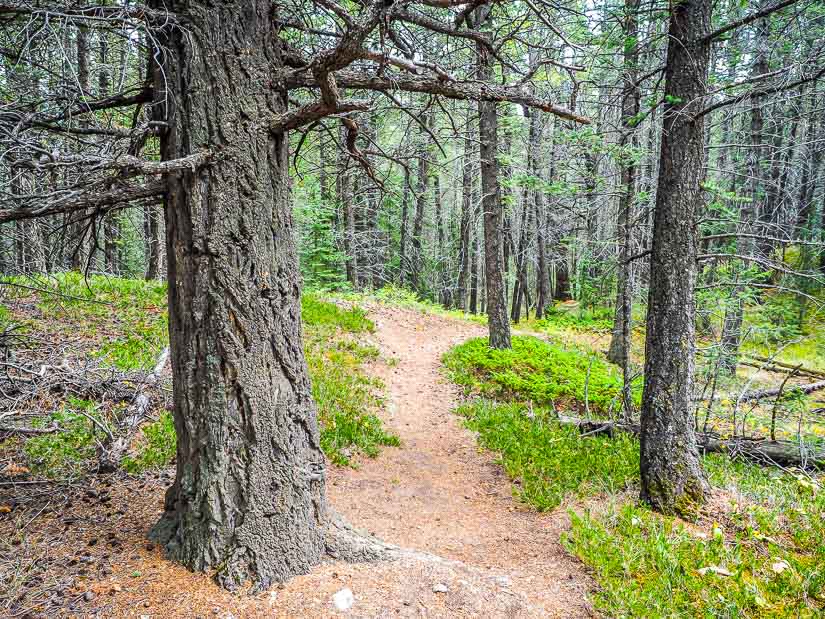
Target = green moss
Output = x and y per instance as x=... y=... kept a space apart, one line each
x=538 y=372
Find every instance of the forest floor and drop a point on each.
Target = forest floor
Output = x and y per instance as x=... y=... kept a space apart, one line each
x=486 y=555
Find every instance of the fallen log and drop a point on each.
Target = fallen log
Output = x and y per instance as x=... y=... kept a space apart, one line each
x=110 y=455
x=785 y=453
x=775 y=369
x=789 y=366
x=750 y=396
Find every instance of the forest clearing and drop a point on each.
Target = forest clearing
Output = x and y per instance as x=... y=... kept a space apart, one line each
x=422 y=308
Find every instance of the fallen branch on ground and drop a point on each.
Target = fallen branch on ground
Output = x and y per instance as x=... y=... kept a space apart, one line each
x=760 y=449
x=110 y=455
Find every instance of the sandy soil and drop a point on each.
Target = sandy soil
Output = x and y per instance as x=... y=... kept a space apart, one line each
x=486 y=554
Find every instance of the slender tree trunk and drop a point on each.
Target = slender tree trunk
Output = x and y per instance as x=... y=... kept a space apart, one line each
x=631 y=102
x=248 y=498
x=403 y=266
x=111 y=227
x=420 y=206
x=497 y=320
x=748 y=213
x=671 y=475
x=465 y=254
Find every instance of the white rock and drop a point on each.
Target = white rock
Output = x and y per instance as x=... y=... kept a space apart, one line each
x=343 y=600
x=440 y=588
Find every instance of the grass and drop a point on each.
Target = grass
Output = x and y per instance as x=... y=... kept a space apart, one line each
x=765 y=558
x=123 y=323
x=346 y=396
x=398 y=296
x=548 y=461
x=64 y=453
x=539 y=372
x=156 y=448
x=759 y=554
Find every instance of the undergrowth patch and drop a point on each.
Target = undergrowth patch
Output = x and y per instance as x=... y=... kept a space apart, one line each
x=123 y=323
x=765 y=557
x=539 y=372
x=548 y=461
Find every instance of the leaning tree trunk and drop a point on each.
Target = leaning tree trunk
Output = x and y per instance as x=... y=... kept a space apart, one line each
x=672 y=478
x=248 y=498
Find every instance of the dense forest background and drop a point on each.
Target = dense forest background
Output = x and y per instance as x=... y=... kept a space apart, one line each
x=630 y=194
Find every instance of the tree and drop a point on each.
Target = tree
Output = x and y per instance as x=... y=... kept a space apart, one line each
x=248 y=499
x=672 y=478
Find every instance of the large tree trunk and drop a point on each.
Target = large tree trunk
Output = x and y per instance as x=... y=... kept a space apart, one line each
x=672 y=478
x=497 y=319
x=248 y=498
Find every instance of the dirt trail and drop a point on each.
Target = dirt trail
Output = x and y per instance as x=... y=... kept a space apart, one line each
x=438 y=493
x=487 y=555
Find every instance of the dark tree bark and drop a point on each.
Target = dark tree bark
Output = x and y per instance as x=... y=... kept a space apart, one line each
x=248 y=498
x=497 y=320
x=671 y=475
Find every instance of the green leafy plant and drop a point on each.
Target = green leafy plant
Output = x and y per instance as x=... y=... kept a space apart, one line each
x=67 y=451
x=548 y=461
x=766 y=558
x=539 y=372
x=156 y=448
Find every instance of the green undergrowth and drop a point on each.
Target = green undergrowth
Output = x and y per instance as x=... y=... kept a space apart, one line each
x=156 y=447
x=757 y=550
x=347 y=398
x=65 y=453
x=125 y=318
x=598 y=320
x=124 y=322
x=548 y=461
x=539 y=372
x=763 y=557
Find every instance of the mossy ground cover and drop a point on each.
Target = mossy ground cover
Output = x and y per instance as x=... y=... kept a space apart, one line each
x=123 y=324
x=757 y=551
x=540 y=372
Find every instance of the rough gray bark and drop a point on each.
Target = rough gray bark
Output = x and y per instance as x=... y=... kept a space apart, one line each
x=497 y=319
x=671 y=476
x=248 y=498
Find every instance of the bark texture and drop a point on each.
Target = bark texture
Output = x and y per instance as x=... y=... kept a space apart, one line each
x=248 y=498
x=672 y=478
x=498 y=320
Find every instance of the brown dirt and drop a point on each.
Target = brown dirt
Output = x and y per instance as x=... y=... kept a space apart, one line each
x=437 y=494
